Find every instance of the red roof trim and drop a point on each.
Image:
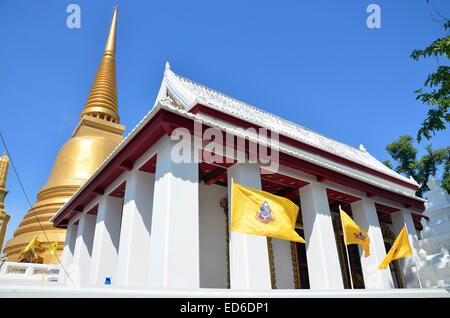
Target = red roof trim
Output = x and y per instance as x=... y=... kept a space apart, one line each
x=202 y=109
x=157 y=127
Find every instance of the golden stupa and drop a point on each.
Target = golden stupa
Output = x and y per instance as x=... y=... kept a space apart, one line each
x=95 y=137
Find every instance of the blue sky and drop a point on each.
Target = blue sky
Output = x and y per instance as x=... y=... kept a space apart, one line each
x=315 y=63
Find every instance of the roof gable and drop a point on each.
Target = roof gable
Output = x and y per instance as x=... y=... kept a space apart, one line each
x=189 y=93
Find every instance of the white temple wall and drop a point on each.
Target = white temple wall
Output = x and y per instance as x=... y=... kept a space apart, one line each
x=212 y=235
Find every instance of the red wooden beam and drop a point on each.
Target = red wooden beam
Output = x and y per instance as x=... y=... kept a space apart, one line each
x=217 y=177
x=93 y=210
x=321 y=179
x=285 y=191
x=98 y=191
x=119 y=190
x=125 y=166
x=168 y=129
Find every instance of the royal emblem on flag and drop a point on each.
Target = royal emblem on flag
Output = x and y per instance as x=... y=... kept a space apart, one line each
x=360 y=236
x=265 y=214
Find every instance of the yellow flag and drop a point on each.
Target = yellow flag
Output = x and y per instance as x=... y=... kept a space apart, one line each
x=261 y=213
x=53 y=247
x=399 y=249
x=354 y=234
x=31 y=244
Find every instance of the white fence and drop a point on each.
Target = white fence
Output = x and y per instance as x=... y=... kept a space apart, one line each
x=29 y=271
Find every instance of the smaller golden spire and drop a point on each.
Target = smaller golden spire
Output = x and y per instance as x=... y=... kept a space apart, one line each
x=4 y=218
x=4 y=167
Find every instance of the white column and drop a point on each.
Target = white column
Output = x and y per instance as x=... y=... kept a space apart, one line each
x=282 y=257
x=67 y=254
x=134 y=242
x=106 y=240
x=174 y=244
x=249 y=257
x=83 y=248
x=365 y=215
x=399 y=220
x=324 y=269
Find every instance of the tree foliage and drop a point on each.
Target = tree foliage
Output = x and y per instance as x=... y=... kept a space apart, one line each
x=438 y=94
x=403 y=152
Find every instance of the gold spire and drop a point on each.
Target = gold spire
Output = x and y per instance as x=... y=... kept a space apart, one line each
x=102 y=99
x=97 y=134
x=110 y=47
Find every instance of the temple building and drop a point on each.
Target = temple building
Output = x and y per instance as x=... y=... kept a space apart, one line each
x=149 y=215
x=4 y=218
x=156 y=212
x=98 y=132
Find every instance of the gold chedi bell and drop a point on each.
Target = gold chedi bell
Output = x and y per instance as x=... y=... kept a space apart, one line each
x=95 y=137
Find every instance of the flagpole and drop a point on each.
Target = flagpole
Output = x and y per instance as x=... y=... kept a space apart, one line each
x=346 y=246
x=417 y=270
x=415 y=257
